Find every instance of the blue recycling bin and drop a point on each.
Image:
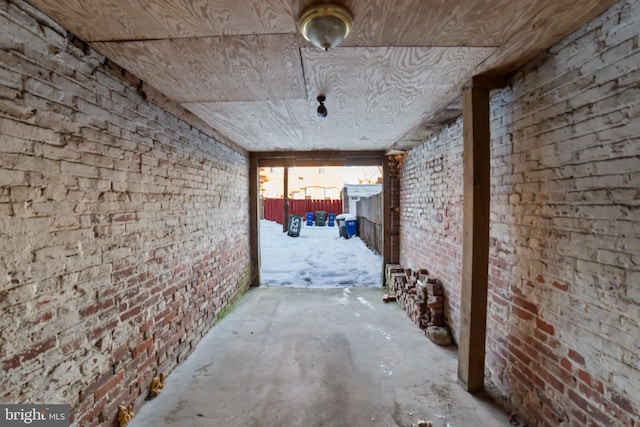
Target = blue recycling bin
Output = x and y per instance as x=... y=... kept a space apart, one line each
x=331 y=219
x=352 y=227
x=309 y=218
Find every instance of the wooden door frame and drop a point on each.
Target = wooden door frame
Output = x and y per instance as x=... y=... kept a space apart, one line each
x=258 y=160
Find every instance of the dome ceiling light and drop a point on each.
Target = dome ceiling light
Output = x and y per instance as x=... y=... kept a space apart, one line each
x=325 y=25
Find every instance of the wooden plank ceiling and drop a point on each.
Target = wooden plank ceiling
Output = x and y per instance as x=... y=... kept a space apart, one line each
x=242 y=67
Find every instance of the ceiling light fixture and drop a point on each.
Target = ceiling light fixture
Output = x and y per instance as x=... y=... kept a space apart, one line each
x=322 y=110
x=325 y=25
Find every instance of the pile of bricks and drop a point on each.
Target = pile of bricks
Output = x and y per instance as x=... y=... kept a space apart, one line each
x=420 y=295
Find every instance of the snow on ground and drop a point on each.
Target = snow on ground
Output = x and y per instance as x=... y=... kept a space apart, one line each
x=318 y=258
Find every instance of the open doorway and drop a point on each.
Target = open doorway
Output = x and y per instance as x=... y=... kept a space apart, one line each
x=320 y=255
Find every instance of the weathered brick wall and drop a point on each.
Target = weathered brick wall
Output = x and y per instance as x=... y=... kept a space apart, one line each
x=564 y=271
x=565 y=229
x=431 y=214
x=122 y=230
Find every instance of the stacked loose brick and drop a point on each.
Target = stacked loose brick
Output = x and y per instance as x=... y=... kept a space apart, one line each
x=435 y=301
x=123 y=238
x=564 y=271
x=419 y=295
x=410 y=297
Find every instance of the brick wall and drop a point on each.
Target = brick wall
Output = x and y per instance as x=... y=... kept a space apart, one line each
x=122 y=233
x=564 y=273
x=565 y=229
x=431 y=214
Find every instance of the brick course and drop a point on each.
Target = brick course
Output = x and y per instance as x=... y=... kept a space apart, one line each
x=564 y=294
x=122 y=234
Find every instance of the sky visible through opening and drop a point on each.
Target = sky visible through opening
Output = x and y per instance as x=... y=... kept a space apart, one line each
x=323 y=182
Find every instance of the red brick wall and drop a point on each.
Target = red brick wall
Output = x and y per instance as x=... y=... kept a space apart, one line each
x=431 y=214
x=564 y=301
x=122 y=233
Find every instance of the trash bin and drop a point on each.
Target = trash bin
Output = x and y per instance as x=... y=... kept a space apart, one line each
x=321 y=217
x=309 y=218
x=351 y=224
x=295 y=224
x=331 y=219
x=342 y=226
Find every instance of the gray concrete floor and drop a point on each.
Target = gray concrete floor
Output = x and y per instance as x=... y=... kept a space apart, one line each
x=316 y=357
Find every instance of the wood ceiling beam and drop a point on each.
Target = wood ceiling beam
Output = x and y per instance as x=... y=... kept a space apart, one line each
x=318 y=158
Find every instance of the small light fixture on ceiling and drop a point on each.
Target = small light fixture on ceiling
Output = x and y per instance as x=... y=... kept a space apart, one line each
x=325 y=25
x=322 y=110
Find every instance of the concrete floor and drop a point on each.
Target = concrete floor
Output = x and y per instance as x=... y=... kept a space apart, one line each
x=316 y=357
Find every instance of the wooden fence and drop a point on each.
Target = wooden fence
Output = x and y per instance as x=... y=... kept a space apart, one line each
x=370 y=221
x=273 y=207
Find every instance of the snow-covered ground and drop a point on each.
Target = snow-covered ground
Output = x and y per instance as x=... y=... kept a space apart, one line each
x=318 y=258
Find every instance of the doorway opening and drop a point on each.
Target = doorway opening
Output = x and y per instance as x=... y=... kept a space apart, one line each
x=320 y=190
x=338 y=209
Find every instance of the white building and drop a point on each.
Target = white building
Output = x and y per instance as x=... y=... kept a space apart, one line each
x=351 y=193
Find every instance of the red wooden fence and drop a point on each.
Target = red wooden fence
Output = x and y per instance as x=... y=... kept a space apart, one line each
x=273 y=207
